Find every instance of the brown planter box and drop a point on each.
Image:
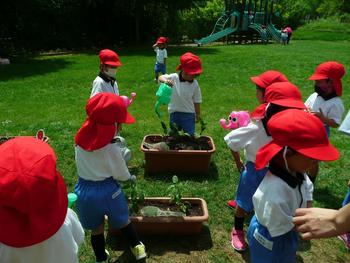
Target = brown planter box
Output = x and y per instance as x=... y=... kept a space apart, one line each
x=167 y=225
x=183 y=161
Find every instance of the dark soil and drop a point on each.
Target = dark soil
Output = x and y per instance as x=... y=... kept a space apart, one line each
x=193 y=209
x=183 y=142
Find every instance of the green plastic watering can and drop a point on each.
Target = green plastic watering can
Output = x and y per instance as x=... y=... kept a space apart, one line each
x=163 y=97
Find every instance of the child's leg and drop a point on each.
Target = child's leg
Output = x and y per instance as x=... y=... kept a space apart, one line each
x=98 y=243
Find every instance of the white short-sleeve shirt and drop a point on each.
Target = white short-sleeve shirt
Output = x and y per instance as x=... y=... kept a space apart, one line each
x=161 y=55
x=250 y=138
x=61 y=247
x=332 y=108
x=100 y=85
x=275 y=203
x=184 y=94
x=101 y=164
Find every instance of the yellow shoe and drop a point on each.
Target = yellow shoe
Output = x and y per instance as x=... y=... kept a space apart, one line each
x=139 y=251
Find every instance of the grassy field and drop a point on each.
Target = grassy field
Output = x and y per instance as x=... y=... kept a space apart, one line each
x=50 y=92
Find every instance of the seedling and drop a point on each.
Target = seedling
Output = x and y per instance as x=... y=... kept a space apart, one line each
x=136 y=196
x=175 y=195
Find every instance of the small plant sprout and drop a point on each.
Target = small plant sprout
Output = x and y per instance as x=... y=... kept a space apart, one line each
x=176 y=196
x=203 y=126
x=136 y=196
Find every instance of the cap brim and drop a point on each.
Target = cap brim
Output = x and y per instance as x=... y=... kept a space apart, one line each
x=265 y=154
x=321 y=153
x=297 y=104
x=129 y=119
x=193 y=72
x=257 y=81
x=113 y=64
x=317 y=76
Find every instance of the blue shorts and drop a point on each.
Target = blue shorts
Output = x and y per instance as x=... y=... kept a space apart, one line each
x=347 y=198
x=248 y=183
x=160 y=67
x=266 y=249
x=184 y=120
x=97 y=199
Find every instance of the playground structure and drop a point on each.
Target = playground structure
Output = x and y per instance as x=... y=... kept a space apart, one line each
x=244 y=20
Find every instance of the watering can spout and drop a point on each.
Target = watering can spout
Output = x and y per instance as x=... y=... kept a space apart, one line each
x=163 y=97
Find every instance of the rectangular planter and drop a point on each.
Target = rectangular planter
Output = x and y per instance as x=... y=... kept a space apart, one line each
x=183 y=161
x=167 y=225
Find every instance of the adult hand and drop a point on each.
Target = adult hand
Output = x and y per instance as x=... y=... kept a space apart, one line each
x=315 y=222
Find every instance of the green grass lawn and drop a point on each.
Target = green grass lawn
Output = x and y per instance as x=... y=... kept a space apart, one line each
x=50 y=92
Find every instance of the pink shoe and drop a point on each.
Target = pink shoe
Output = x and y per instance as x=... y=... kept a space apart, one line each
x=238 y=240
x=346 y=239
x=232 y=203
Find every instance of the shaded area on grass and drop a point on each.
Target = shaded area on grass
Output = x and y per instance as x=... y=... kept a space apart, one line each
x=27 y=67
x=160 y=245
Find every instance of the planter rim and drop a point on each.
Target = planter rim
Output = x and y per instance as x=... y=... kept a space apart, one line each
x=155 y=151
x=165 y=219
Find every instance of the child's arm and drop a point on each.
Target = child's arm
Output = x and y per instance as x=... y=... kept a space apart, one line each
x=165 y=61
x=321 y=222
x=154 y=46
x=325 y=120
x=197 y=109
x=238 y=161
x=164 y=79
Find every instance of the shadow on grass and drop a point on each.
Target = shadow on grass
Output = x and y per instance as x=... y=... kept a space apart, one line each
x=158 y=245
x=327 y=197
x=211 y=175
x=27 y=67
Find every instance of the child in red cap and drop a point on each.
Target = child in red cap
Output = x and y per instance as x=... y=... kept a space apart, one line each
x=184 y=106
x=261 y=82
x=160 y=48
x=106 y=81
x=298 y=141
x=325 y=102
x=280 y=96
x=100 y=166
x=35 y=223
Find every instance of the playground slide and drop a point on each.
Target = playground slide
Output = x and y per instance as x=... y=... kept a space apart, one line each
x=215 y=36
x=274 y=32
x=258 y=27
x=221 y=33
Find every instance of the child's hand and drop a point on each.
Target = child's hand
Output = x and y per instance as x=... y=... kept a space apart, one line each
x=132 y=178
x=169 y=82
x=240 y=166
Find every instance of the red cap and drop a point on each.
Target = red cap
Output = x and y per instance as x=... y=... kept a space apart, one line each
x=162 y=40
x=104 y=110
x=110 y=58
x=33 y=195
x=330 y=70
x=283 y=94
x=190 y=64
x=299 y=130
x=267 y=78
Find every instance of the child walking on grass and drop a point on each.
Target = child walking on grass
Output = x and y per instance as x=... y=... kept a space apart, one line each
x=100 y=166
x=298 y=141
x=261 y=82
x=106 y=79
x=279 y=96
x=160 y=48
x=36 y=224
x=184 y=106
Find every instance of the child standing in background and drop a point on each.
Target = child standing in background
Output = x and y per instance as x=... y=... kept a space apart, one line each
x=261 y=82
x=36 y=224
x=100 y=166
x=184 y=106
x=106 y=81
x=325 y=102
x=279 y=96
x=298 y=141
x=160 y=48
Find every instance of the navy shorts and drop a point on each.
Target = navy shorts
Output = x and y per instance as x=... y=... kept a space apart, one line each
x=99 y=198
x=160 y=67
x=184 y=120
x=266 y=249
x=248 y=183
